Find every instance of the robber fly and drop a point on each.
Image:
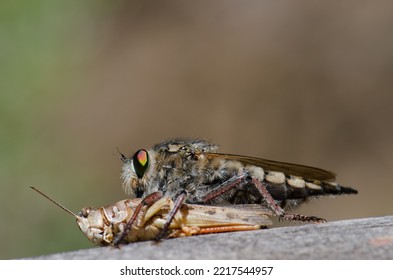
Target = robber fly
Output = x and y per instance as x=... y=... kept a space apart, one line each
x=105 y=224
x=192 y=171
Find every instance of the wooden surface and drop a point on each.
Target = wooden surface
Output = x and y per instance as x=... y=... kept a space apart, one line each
x=369 y=238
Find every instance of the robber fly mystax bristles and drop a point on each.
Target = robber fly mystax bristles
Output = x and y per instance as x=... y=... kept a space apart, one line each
x=105 y=225
x=191 y=171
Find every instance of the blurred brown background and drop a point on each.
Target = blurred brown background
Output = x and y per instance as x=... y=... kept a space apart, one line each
x=293 y=81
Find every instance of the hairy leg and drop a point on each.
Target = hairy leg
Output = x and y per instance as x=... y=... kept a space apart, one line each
x=237 y=181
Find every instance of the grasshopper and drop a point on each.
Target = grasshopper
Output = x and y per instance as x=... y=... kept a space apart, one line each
x=104 y=225
x=192 y=171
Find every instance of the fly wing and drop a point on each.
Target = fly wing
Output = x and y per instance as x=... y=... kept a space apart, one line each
x=304 y=171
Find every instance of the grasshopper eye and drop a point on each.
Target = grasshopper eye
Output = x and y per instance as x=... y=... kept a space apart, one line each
x=140 y=161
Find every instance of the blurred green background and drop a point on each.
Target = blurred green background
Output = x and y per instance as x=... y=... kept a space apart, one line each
x=295 y=81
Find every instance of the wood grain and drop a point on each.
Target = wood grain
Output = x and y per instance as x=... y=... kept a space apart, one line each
x=368 y=238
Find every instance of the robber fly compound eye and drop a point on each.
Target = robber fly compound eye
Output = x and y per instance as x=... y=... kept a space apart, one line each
x=140 y=161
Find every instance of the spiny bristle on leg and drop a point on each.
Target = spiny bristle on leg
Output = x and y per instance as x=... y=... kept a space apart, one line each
x=302 y=218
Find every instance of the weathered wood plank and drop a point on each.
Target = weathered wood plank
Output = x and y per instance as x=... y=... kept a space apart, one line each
x=369 y=238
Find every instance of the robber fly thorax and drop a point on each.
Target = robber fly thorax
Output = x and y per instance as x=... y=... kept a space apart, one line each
x=104 y=225
x=192 y=171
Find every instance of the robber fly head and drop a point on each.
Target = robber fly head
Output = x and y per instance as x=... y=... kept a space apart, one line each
x=163 y=165
x=137 y=171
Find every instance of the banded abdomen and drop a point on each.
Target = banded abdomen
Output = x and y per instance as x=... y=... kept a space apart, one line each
x=282 y=187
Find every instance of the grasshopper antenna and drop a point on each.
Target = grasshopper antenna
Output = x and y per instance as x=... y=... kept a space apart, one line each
x=55 y=202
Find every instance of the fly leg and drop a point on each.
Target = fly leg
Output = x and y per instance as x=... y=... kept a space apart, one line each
x=278 y=210
x=237 y=181
x=147 y=201
x=178 y=203
x=228 y=185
